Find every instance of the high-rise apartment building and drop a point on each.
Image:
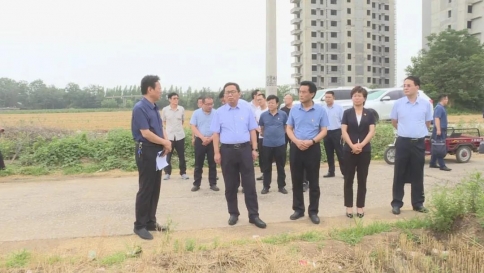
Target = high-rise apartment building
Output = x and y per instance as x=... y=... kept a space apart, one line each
x=439 y=15
x=344 y=42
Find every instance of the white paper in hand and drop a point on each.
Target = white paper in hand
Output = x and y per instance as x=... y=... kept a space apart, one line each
x=161 y=161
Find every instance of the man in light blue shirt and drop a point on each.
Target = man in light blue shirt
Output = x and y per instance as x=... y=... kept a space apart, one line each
x=411 y=116
x=306 y=127
x=233 y=126
x=200 y=124
x=332 y=141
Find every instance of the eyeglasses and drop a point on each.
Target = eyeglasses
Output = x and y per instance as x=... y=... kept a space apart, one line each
x=230 y=92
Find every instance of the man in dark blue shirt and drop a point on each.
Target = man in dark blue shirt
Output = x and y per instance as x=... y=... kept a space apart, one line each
x=273 y=130
x=148 y=135
x=440 y=130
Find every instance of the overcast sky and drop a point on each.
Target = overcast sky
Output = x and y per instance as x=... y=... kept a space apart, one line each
x=186 y=42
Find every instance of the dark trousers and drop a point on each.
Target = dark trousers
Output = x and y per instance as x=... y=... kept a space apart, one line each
x=309 y=161
x=149 y=185
x=200 y=153
x=289 y=141
x=2 y=163
x=409 y=168
x=262 y=159
x=443 y=136
x=332 y=144
x=358 y=163
x=279 y=153
x=238 y=168
x=179 y=146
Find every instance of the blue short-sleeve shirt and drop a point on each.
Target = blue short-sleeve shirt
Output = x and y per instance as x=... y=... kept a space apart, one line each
x=274 y=128
x=441 y=113
x=202 y=121
x=146 y=115
x=307 y=123
x=412 y=117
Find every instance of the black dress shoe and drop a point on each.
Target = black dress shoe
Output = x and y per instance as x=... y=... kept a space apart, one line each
x=265 y=191
x=283 y=190
x=434 y=166
x=258 y=222
x=195 y=188
x=396 y=210
x=314 y=218
x=421 y=209
x=143 y=234
x=233 y=219
x=349 y=215
x=360 y=215
x=305 y=186
x=260 y=178
x=445 y=168
x=214 y=188
x=156 y=227
x=328 y=175
x=296 y=215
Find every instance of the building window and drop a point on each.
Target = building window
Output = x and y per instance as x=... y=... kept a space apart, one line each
x=469 y=24
x=348 y=22
x=349 y=33
x=334 y=46
x=449 y=13
x=334 y=79
x=373 y=5
x=313 y=23
x=334 y=35
x=349 y=67
x=349 y=56
x=349 y=45
x=314 y=34
x=449 y=27
x=368 y=57
x=313 y=12
x=314 y=56
x=374 y=59
x=321 y=12
x=322 y=79
x=373 y=16
x=387 y=81
x=315 y=68
x=349 y=1
x=368 y=35
x=333 y=12
x=349 y=79
x=368 y=80
x=387 y=60
x=469 y=9
x=387 y=70
x=368 y=23
x=368 y=46
x=322 y=34
x=322 y=57
x=374 y=48
x=322 y=68
x=334 y=23
x=373 y=26
x=334 y=57
x=348 y=11
x=313 y=1
x=315 y=79
x=387 y=39
x=334 y=68
x=368 y=68
x=387 y=49
x=368 y=2
x=314 y=45
x=321 y=2
x=333 y=2
x=387 y=7
x=374 y=81
x=368 y=12
x=387 y=18
x=374 y=37
x=322 y=46
x=374 y=69
x=321 y=23
x=387 y=28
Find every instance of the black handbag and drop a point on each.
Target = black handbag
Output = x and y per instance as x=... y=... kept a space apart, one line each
x=439 y=148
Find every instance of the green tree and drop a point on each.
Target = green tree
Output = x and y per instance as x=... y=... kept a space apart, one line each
x=454 y=65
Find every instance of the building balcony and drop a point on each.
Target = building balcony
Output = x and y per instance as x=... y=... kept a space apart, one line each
x=295 y=1
x=296 y=21
x=296 y=10
x=296 y=75
x=296 y=42
x=296 y=53
x=296 y=31
x=296 y=64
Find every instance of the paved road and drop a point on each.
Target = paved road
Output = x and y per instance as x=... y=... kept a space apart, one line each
x=82 y=207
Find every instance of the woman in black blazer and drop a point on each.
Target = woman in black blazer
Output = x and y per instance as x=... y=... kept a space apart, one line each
x=358 y=127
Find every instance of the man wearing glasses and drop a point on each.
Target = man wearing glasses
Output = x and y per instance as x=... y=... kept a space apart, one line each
x=200 y=123
x=234 y=127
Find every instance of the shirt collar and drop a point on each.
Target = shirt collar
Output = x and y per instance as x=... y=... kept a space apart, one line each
x=147 y=102
x=302 y=108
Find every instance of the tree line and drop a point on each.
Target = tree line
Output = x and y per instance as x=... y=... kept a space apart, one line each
x=38 y=95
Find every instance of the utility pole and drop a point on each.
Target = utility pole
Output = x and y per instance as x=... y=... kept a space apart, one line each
x=271 y=48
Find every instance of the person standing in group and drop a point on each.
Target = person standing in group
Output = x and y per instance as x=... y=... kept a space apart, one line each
x=332 y=141
x=2 y=163
x=273 y=129
x=440 y=130
x=261 y=99
x=288 y=101
x=358 y=128
x=411 y=116
x=234 y=126
x=173 y=117
x=306 y=127
x=199 y=105
x=254 y=104
x=148 y=134
x=200 y=123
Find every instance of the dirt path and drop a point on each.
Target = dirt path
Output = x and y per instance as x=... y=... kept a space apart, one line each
x=104 y=206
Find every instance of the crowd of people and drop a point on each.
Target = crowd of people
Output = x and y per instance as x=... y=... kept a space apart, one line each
x=240 y=132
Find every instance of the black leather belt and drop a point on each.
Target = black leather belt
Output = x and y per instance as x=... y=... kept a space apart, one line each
x=412 y=139
x=236 y=146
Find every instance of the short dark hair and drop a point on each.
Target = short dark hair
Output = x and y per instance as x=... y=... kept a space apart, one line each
x=206 y=98
x=273 y=97
x=200 y=98
x=442 y=96
x=415 y=80
x=221 y=94
x=232 y=83
x=262 y=95
x=329 y=92
x=148 y=81
x=172 y=94
x=311 y=85
x=254 y=93
x=359 y=89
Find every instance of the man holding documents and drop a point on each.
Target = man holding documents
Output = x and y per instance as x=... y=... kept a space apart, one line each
x=150 y=146
x=200 y=124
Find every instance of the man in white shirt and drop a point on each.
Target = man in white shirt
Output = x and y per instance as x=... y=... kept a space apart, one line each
x=261 y=100
x=173 y=116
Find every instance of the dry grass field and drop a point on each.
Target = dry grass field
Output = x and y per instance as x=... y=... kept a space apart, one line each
x=104 y=121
